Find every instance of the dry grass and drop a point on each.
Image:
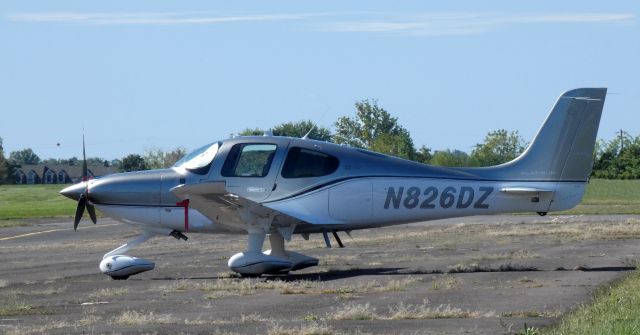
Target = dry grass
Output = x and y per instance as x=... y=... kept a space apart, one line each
x=402 y=311
x=13 y=307
x=530 y=283
x=423 y=311
x=531 y=314
x=350 y=291
x=253 y=317
x=363 y=287
x=47 y=291
x=353 y=311
x=40 y=291
x=343 y=292
x=516 y=254
x=13 y=223
x=398 y=285
x=446 y=282
x=250 y=286
x=109 y=292
x=88 y=319
x=573 y=230
x=313 y=328
x=311 y=317
x=202 y=322
x=238 y=287
x=475 y=267
x=37 y=329
x=339 y=259
x=464 y=268
x=135 y=318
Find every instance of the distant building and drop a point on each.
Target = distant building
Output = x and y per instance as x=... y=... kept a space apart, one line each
x=57 y=174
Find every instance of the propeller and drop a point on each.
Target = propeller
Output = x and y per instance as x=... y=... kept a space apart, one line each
x=83 y=200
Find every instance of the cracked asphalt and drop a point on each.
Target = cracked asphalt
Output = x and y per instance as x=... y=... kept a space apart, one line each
x=480 y=275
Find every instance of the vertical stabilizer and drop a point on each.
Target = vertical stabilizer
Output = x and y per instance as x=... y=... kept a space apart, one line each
x=563 y=148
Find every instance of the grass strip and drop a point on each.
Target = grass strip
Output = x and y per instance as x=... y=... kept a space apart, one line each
x=33 y=201
x=615 y=309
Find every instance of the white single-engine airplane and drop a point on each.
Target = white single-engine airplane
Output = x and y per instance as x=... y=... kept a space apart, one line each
x=279 y=186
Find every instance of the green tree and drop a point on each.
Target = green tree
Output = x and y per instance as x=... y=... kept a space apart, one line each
x=301 y=128
x=133 y=162
x=95 y=161
x=6 y=169
x=618 y=159
x=116 y=163
x=499 y=146
x=374 y=128
x=423 y=155
x=159 y=159
x=451 y=158
x=24 y=157
x=171 y=157
x=293 y=129
x=400 y=145
x=630 y=160
x=251 y=132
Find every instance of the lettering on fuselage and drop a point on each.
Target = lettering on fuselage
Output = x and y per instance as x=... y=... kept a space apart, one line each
x=431 y=197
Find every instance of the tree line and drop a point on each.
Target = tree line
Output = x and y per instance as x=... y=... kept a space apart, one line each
x=371 y=128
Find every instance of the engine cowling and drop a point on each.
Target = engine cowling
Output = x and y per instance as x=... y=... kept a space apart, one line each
x=123 y=266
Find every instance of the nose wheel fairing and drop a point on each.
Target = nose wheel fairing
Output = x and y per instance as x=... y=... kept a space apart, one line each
x=122 y=266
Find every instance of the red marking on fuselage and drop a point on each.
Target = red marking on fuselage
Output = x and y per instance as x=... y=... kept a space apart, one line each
x=185 y=204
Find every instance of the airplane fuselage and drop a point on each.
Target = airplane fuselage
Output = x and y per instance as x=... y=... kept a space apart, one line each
x=366 y=189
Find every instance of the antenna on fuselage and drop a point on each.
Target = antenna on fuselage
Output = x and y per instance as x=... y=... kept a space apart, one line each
x=314 y=126
x=306 y=136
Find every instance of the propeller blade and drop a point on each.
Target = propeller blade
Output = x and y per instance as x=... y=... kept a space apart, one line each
x=79 y=211
x=85 y=172
x=92 y=213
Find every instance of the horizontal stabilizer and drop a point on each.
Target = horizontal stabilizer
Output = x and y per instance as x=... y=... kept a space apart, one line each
x=524 y=191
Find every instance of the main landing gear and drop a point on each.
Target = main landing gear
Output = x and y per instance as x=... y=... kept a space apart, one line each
x=253 y=262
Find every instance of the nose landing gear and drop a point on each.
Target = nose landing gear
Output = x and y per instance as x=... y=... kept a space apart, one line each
x=120 y=266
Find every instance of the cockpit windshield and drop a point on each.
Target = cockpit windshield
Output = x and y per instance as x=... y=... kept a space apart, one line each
x=199 y=159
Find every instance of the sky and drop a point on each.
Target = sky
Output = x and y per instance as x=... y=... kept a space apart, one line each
x=149 y=74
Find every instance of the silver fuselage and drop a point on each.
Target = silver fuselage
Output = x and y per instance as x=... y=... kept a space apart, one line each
x=367 y=189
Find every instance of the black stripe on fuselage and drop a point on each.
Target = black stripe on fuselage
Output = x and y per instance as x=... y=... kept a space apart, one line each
x=339 y=180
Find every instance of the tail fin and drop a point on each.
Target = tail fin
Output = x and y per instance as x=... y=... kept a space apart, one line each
x=563 y=148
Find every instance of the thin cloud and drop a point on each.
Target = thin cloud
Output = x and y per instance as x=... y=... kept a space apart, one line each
x=468 y=23
x=145 y=18
x=425 y=24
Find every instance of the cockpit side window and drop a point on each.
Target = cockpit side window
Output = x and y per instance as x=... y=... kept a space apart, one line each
x=249 y=160
x=305 y=163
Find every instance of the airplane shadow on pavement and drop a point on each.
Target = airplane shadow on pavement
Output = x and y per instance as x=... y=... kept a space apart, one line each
x=344 y=274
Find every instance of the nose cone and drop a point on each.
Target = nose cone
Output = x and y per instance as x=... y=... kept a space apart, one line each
x=74 y=191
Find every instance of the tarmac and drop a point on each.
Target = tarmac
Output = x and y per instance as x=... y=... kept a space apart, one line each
x=477 y=275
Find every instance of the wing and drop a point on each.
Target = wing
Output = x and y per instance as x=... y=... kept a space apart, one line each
x=214 y=201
